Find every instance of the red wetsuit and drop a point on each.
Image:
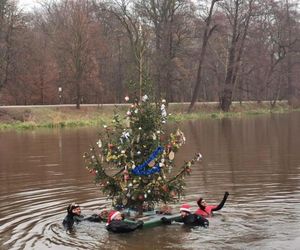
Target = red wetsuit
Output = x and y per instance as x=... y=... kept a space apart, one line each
x=208 y=210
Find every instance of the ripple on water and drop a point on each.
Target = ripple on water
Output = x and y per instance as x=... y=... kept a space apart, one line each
x=31 y=215
x=260 y=172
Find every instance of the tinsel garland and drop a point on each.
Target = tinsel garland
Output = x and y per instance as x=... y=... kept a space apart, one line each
x=140 y=169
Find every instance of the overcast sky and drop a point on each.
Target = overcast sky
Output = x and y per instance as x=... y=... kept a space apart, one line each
x=28 y=4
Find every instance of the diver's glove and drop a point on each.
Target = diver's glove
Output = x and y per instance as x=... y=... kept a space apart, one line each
x=140 y=224
x=165 y=220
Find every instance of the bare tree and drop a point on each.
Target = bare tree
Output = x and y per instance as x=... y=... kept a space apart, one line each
x=163 y=15
x=239 y=14
x=208 y=30
x=271 y=64
x=69 y=23
x=93 y=48
x=137 y=32
x=10 y=20
x=291 y=28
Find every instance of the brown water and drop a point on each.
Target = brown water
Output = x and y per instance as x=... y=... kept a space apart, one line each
x=256 y=159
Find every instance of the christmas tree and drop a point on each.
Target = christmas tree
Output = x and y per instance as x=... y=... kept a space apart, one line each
x=133 y=160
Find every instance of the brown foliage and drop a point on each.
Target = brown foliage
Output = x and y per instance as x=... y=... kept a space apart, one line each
x=91 y=49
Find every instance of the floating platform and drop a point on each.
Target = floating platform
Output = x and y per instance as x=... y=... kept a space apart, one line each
x=151 y=219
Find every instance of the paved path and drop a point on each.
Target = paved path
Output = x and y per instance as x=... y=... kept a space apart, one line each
x=117 y=104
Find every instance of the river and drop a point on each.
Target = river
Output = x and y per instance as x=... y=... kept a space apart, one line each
x=255 y=158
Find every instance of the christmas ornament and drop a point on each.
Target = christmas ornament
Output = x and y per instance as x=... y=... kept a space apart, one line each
x=145 y=98
x=171 y=156
x=140 y=169
x=99 y=143
x=126 y=168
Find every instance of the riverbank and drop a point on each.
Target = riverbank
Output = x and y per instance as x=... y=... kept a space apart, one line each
x=94 y=115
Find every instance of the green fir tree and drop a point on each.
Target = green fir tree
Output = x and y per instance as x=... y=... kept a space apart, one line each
x=133 y=160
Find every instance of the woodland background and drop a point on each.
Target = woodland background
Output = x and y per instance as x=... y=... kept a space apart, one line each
x=95 y=51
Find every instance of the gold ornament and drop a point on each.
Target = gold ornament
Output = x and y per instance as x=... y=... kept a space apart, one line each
x=171 y=156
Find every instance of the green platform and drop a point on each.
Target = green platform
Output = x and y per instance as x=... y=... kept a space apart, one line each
x=151 y=219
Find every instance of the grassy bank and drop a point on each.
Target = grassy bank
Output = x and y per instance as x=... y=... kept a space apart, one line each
x=51 y=117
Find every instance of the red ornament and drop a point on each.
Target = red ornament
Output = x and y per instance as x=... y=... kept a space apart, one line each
x=173 y=194
x=165 y=188
x=93 y=171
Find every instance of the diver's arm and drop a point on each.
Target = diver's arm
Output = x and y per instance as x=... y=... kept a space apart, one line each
x=220 y=206
x=93 y=218
x=169 y=221
x=123 y=226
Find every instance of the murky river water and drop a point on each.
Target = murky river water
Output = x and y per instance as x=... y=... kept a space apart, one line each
x=256 y=159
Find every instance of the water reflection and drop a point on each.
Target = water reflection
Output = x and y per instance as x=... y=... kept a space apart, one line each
x=256 y=159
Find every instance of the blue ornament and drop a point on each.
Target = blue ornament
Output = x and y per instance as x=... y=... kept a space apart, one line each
x=141 y=169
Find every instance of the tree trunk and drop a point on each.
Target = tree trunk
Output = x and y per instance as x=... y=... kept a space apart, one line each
x=206 y=35
x=78 y=94
x=291 y=89
x=226 y=96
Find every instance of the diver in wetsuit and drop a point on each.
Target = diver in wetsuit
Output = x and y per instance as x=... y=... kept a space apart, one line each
x=74 y=216
x=117 y=224
x=207 y=210
x=188 y=218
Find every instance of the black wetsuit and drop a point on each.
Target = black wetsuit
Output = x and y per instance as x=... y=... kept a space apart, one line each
x=189 y=220
x=121 y=226
x=71 y=218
